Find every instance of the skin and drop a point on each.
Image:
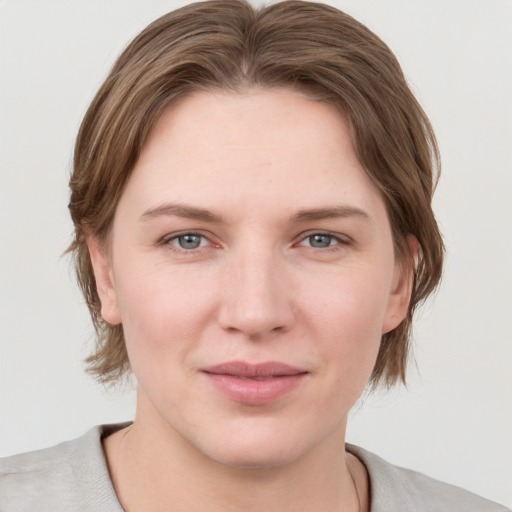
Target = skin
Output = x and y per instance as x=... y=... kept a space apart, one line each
x=257 y=288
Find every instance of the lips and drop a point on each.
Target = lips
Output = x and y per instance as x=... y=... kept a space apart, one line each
x=254 y=384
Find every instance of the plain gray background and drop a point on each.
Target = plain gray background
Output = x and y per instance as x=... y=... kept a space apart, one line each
x=455 y=420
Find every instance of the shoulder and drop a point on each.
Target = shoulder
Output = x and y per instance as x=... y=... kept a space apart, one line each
x=396 y=489
x=69 y=477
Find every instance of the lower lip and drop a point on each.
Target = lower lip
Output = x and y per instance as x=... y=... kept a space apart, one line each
x=255 y=392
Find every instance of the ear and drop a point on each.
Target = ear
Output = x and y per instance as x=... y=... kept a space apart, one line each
x=401 y=290
x=104 y=281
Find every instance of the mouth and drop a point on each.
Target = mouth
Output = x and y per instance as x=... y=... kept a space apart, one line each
x=254 y=384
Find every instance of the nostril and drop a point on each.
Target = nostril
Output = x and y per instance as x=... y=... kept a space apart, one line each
x=274 y=330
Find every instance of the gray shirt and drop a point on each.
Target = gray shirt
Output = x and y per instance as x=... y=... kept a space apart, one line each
x=73 y=477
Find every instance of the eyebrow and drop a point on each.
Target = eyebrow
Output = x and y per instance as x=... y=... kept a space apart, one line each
x=181 y=210
x=334 y=212
x=202 y=214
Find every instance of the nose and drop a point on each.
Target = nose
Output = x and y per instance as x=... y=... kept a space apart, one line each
x=257 y=296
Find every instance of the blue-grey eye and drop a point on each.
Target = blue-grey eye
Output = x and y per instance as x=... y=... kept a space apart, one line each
x=321 y=240
x=188 y=241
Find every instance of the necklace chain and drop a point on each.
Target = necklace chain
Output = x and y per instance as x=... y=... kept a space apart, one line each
x=355 y=488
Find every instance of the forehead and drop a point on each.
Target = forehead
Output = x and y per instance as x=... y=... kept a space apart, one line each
x=220 y=147
x=271 y=115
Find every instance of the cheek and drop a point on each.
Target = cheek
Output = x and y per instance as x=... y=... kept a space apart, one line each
x=353 y=300
x=347 y=317
x=163 y=314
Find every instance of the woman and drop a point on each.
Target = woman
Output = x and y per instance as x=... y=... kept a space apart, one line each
x=251 y=197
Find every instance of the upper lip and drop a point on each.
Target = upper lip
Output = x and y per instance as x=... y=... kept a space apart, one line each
x=250 y=370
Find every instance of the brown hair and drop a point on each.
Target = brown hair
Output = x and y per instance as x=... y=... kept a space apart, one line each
x=230 y=45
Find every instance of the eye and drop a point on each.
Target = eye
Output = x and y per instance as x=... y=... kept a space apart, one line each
x=320 y=240
x=188 y=241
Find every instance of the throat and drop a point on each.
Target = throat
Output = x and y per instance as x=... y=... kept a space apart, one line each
x=146 y=478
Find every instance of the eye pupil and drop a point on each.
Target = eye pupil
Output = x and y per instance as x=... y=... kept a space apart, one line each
x=189 y=241
x=320 y=240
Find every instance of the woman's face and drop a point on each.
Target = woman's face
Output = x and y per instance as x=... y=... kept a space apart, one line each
x=251 y=264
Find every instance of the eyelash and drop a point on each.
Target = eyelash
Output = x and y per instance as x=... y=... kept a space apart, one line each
x=340 y=239
x=167 y=241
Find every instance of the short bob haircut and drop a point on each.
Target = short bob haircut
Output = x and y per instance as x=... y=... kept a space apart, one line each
x=229 y=45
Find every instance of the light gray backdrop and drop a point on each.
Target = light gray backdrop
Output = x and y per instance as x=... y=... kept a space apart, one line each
x=455 y=421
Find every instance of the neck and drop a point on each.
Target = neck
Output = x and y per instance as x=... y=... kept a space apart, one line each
x=154 y=468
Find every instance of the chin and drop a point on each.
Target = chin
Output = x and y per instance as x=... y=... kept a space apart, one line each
x=256 y=457
x=263 y=448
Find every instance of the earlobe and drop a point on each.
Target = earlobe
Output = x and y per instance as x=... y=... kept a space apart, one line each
x=104 y=281
x=403 y=281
